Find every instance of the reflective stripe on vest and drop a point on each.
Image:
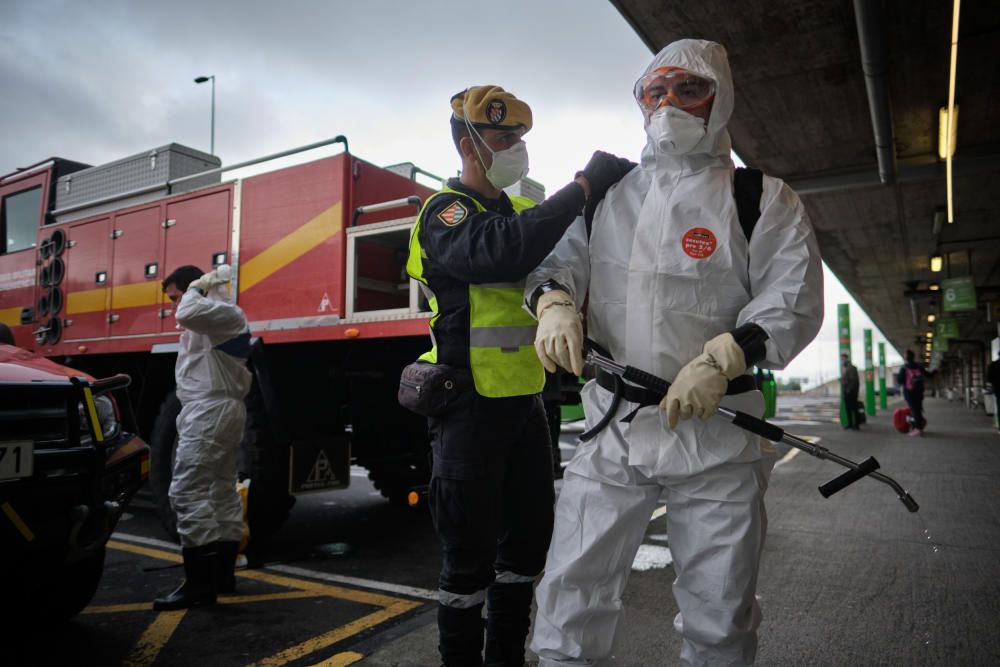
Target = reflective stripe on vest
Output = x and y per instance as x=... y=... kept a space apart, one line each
x=501 y=332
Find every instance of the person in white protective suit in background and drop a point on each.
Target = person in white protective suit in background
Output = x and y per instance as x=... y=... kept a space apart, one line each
x=212 y=381
x=676 y=289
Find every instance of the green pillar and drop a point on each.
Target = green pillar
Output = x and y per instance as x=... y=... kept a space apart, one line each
x=844 y=336
x=869 y=375
x=770 y=391
x=883 y=402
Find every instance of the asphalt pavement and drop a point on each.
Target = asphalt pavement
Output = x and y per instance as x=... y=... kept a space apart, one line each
x=854 y=580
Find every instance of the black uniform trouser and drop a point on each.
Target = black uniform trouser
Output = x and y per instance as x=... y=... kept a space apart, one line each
x=851 y=406
x=491 y=495
x=915 y=401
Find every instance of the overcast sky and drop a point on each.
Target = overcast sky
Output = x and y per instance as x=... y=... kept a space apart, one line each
x=99 y=80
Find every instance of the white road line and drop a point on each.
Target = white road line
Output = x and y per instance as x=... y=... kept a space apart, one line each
x=794 y=422
x=652 y=557
x=793 y=452
x=410 y=591
x=148 y=541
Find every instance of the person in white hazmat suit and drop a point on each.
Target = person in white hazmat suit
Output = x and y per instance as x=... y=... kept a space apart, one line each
x=212 y=381
x=676 y=289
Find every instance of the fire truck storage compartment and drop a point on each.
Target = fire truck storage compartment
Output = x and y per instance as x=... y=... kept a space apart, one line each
x=136 y=173
x=377 y=282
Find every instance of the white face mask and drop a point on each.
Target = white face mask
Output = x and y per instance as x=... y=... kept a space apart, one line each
x=509 y=166
x=675 y=132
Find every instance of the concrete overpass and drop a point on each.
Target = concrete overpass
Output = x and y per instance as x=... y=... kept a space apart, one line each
x=841 y=100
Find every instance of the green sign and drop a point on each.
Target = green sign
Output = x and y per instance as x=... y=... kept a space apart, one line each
x=869 y=375
x=939 y=344
x=958 y=294
x=844 y=339
x=882 y=401
x=946 y=327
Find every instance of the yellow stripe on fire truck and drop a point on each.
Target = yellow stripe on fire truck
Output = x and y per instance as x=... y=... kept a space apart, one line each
x=10 y=316
x=291 y=247
x=147 y=293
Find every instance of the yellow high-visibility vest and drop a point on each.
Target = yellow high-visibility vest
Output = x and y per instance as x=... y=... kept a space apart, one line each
x=501 y=332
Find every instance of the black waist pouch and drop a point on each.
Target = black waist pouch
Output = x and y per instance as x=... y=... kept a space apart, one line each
x=431 y=389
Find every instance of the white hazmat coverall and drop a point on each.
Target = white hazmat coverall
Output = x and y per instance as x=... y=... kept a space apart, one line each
x=653 y=304
x=212 y=381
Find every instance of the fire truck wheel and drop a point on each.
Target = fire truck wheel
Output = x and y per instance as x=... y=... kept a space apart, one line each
x=162 y=443
x=74 y=587
x=58 y=593
x=265 y=462
x=395 y=481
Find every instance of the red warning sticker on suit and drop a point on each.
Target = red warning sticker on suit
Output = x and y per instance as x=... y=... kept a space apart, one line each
x=698 y=242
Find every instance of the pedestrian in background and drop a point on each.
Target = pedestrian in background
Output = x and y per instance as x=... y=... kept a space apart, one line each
x=850 y=385
x=911 y=379
x=993 y=375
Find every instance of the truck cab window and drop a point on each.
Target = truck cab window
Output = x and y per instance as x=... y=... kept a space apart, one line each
x=20 y=220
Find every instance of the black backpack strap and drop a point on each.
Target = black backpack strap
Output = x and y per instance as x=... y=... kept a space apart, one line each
x=748 y=186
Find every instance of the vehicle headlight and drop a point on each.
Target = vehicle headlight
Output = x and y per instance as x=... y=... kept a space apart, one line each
x=107 y=416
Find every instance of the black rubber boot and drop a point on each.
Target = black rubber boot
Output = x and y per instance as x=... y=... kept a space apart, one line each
x=508 y=618
x=460 y=635
x=225 y=579
x=198 y=587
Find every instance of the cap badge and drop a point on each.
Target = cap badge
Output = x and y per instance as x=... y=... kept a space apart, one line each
x=496 y=111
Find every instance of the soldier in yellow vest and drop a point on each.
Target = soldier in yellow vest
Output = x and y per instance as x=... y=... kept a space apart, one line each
x=491 y=493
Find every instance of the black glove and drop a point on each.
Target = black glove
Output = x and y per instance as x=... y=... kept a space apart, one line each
x=603 y=171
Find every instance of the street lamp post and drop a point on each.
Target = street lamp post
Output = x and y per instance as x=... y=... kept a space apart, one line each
x=203 y=79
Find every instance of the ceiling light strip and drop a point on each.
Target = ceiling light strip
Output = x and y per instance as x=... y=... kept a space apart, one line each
x=951 y=108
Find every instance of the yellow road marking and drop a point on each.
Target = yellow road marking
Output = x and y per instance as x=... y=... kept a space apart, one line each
x=154 y=638
x=363 y=597
x=18 y=522
x=334 y=636
x=792 y=453
x=291 y=247
x=160 y=631
x=10 y=316
x=341 y=660
x=118 y=608
x=145 y=551
x=240 y=599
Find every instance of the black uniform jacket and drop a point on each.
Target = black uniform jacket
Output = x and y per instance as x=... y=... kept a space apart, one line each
x=493 y=246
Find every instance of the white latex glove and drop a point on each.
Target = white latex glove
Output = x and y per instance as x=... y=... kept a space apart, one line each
x=211 y=279
x=701 y=385
x=559 y=337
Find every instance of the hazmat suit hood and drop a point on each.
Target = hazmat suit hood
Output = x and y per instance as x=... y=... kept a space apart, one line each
x=709 y=60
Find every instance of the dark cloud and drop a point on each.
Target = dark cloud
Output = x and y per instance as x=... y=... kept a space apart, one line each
x=95 y=81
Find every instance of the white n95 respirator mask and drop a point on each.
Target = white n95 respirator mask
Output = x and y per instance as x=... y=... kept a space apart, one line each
x=675 y=132
x=509 y=166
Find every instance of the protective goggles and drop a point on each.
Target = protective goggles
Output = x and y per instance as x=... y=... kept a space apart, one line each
x=674 y=86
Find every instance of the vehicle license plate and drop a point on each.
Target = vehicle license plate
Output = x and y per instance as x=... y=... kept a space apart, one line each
x=17 y=459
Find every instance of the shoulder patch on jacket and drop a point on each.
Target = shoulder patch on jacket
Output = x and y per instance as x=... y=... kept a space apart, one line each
x=454 y=214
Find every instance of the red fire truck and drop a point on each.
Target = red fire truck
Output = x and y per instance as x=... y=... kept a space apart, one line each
x=318 y=252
